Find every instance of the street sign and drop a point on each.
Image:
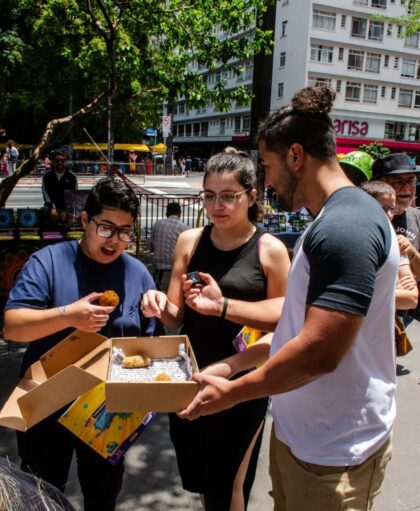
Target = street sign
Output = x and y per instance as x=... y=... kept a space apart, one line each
x=151 y=132
x=166 y=125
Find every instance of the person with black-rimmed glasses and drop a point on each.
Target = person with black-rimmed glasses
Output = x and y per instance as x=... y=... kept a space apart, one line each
x=57 y=292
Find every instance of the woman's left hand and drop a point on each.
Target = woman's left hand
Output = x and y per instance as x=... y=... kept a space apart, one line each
x=206 y=299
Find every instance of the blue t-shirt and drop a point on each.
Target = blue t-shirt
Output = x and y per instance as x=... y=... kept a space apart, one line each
x=61 y=274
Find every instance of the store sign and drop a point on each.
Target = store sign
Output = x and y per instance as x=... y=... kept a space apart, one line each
x=350 y=128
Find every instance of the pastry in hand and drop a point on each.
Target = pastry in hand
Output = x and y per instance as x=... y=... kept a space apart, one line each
x=135 y=361
x=163 y=377
x=109 y=299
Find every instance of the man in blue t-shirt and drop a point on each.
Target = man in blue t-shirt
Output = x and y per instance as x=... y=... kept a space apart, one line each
x=57 y=292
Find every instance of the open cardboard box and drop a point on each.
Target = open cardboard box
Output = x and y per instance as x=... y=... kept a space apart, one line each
x=82 y=361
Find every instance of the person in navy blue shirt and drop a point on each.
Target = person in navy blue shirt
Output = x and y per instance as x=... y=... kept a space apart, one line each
x=57 y=292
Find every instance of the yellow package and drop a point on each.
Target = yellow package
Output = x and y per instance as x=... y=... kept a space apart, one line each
x=109 y=434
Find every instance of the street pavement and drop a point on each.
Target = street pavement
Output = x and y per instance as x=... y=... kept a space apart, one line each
x=151 y=480
x=27 y=193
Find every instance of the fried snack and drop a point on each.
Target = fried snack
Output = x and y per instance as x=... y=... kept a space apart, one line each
x=135 y=361
x=163 y=377
x=109 y=299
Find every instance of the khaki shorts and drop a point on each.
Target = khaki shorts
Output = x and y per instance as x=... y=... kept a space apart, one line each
x=301 y=486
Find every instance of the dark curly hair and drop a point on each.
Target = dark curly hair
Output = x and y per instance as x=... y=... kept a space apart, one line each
x=240 y=164
x=305 y=121
x=112 y=193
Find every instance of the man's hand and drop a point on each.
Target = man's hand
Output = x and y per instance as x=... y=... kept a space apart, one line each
x=214 y=396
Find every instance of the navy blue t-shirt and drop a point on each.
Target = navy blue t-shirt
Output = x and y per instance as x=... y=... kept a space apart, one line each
x=61 y=274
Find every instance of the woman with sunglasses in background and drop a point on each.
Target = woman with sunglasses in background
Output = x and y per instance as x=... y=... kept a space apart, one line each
x=57 y=292
x=243 y=272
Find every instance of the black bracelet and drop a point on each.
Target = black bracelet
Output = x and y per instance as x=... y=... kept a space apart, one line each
x=225 y=306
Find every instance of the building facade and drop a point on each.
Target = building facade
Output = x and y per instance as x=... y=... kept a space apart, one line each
x=374 y=71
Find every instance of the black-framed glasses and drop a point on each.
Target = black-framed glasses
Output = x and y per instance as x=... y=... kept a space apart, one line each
x=107 y=231
x=225 y=198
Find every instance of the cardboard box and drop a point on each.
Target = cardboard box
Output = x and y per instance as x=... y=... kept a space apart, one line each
x=82 y=361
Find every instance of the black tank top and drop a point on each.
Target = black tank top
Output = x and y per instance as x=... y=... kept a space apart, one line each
x=240 y=275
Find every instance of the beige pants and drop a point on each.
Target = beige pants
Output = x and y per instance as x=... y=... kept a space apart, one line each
x=301 y=486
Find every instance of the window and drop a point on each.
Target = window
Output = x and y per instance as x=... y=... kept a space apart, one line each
x=417 y=99
x=418 y=71
x=389 y=130
x=389 y=30
x=386 y=60
x=282 y=59
x=373 y=62
x=412 y=41
x=196 y=129
x=338 y=86
x=396 y=62
x=182 y=108
x=249 y=70
x=379 y=4
x=180 y=130
x=383 y=92
x=360 y=2
x=222 y=128
x=175 y=111
x=340 y=53
x=393 y=92
x=237 y=125
x=317 y=81
x=204 y=128
x=370 y=93
x=280 y=90
x=355 y=60
x=358 y=27
x=343 y=21
x=353 y=90
x=284 y=29
x=405 y=98
x=376 y=30
x=175 y=130
x=246 y=123
x=324 y=19
x=322 y=53
x=188 y=130
x=408 y=68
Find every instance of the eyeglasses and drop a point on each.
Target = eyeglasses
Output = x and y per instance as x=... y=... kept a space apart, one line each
x=399 y=183
x=107 y=231
x=225 y=198
x=388 y=209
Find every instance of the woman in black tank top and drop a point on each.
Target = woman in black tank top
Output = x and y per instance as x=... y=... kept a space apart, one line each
x=245 y=273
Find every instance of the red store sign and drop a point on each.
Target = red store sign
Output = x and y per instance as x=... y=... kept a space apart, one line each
x=350 y=128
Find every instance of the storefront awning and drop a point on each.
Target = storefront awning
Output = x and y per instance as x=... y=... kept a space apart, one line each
x=347 y=144
x=104 y=147
x=158 y=148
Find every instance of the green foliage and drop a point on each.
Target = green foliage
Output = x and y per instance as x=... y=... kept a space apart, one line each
x=375 y=149
x=409 y=22
x=60 y=56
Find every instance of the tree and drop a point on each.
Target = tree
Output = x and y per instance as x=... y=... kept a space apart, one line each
x=375 y=149
x=131 y=52
x=409 y=22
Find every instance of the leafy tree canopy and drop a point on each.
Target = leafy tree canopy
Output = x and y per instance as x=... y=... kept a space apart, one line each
x=58 y=55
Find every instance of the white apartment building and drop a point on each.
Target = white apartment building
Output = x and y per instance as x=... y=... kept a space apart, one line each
x=375 y=73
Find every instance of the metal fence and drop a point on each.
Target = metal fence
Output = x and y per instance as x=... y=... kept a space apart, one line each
x=153 y=208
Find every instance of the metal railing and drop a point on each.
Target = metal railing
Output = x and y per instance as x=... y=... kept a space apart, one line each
x=153 y=208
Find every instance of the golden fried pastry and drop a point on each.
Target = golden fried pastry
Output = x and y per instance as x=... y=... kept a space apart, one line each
x=163 y=377
x=109 y=299
x=135 y=361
